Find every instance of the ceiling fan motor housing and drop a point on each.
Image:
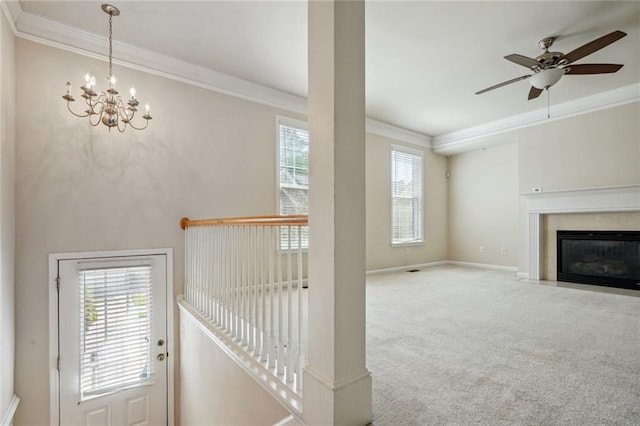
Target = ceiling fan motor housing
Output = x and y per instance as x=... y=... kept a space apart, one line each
x=549 y=58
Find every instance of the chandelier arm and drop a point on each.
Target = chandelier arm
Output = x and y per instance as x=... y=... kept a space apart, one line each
x=91 y=106
x=99 y=115
x=77 y=115
x=139 y=128
x=124 y=127
x=101 y=103
x=121 y=109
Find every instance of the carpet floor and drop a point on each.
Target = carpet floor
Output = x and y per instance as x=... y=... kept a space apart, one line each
x=460 y=346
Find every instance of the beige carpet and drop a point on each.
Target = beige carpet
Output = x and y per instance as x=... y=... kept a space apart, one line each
x=456 y=345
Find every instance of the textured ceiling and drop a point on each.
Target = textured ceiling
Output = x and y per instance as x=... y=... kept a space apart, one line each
x=425 y=59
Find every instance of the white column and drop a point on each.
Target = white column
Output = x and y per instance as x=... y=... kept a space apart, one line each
x=337 y=384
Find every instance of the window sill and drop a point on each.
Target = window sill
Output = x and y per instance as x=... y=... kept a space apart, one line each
x=411 y=244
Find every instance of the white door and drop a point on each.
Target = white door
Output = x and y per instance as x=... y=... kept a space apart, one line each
x=112 y=341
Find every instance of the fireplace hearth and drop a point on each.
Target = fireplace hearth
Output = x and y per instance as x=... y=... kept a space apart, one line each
x=607 y=258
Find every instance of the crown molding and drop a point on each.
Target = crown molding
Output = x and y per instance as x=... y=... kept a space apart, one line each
x=393 y=132
x=468 y=139
x=51 y=33
x=62 y=36
x=12 y=11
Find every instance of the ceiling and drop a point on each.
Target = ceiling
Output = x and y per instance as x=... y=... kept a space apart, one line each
x=424 y=59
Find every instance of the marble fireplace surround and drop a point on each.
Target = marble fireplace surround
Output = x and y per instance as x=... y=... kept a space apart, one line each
x=595 y=202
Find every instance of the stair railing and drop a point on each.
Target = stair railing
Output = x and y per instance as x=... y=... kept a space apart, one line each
x=246 y=277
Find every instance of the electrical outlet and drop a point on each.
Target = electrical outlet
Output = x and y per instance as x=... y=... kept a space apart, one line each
x=503 y=250
x=481 y=249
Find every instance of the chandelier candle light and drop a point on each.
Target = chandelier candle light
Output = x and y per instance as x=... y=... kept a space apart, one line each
x=107 y=107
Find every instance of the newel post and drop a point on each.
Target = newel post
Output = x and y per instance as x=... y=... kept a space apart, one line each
x=337 y=384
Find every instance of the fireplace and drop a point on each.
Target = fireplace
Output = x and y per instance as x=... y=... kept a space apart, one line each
x=608 y=258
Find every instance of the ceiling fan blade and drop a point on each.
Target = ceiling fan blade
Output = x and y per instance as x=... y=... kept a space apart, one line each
x=534 y=93
x=593 y=46
x=504 y=83
x=593 y=68
x=523 y=60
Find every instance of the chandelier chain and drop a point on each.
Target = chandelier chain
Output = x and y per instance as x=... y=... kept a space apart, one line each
x=110 y=44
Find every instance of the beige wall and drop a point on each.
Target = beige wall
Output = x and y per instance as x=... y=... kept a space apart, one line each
x=483 y=206
x=380 y=253
x=601 y=148
x=83 y=189
x=7 y=212
x=205 y=370
x=597 y=149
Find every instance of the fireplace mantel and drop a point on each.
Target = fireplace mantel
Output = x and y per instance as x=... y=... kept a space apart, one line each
x=585 y=200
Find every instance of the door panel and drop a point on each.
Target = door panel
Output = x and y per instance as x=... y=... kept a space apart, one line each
x=112 y=319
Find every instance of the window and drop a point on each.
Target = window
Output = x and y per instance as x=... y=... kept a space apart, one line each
x=115 y=329
x=293 y=175
x=406 y=196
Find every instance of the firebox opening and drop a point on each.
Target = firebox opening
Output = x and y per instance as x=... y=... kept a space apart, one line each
x=608 y=258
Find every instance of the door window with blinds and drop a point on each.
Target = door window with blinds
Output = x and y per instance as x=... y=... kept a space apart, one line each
x=293 y=176
x=115 y=328
x=406 y=196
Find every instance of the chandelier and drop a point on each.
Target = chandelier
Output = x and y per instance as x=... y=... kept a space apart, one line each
x=107 y=107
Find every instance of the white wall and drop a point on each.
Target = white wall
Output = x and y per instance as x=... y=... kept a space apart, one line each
x=7 y=212
x=380 y=253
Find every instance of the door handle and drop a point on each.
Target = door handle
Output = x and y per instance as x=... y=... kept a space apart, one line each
x=160 y=357
x=160 y=342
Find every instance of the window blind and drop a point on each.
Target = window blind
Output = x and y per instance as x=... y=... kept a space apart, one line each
x=115 y=329
x=293 y=181
x=406 y=196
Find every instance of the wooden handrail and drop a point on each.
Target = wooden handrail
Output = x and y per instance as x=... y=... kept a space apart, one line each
x=284 y=220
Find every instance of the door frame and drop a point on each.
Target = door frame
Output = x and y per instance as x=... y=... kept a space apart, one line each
x=54 y=385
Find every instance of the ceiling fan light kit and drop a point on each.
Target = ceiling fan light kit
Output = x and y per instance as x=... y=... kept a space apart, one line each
x=546 y=78
x=549 y=67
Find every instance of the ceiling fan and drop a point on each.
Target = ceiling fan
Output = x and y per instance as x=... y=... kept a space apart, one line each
x=549 y=67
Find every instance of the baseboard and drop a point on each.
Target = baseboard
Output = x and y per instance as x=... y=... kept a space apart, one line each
x=523 y=275
x=484 y=266
x=406 y=267
x=7 y=420
x=445 y=262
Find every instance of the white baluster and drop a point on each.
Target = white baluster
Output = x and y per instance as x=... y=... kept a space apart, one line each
x=261 y=300
x=227 y=277
x=300 y=350
x=187 y=264
x=290 y=350
x=280 y=323
x=272 y=331
x=252 y=291
x=265 y=279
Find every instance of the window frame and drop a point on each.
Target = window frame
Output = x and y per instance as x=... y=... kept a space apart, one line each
x=299 y=125
x=420 y=154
